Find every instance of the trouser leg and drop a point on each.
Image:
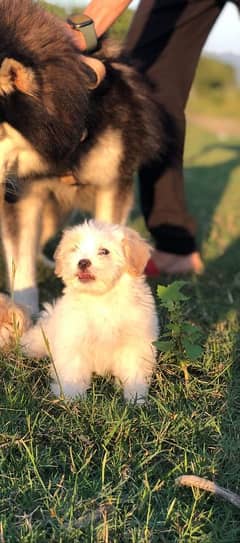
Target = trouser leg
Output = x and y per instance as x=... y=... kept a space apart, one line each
x=165 y=40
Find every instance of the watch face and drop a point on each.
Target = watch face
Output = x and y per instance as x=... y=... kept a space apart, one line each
x=80 y=20
x=85 y=24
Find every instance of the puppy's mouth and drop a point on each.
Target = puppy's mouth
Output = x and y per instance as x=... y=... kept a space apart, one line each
x=85 y=276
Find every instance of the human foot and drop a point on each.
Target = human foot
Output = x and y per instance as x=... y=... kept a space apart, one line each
x=162 y=262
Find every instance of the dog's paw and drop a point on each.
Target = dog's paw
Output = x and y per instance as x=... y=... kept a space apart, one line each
x=137 y=396
x=70 y=391
x=14 y=321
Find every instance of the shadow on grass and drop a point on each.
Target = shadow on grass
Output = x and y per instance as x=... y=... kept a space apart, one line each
x=206 y=184
x=218 y=294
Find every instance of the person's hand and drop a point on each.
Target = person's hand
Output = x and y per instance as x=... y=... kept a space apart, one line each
x=77 y=37
x=96 y=65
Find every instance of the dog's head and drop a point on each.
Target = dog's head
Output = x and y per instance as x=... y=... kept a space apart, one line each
x=92 y=257
x=45 y=86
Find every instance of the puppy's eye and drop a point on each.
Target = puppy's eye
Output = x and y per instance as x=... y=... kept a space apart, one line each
x=74 y=248
x=103 y=251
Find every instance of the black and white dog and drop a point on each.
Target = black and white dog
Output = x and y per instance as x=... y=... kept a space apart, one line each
x=64 y=136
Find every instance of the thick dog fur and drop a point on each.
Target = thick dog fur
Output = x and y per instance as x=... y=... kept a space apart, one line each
x=106 y=320
x=14 y=322
x=62 y=138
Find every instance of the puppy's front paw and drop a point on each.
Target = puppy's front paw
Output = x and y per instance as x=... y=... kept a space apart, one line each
x=69 y=390
x=136 y=394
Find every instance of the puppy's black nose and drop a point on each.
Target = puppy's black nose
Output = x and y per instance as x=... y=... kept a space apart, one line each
x=84 y=263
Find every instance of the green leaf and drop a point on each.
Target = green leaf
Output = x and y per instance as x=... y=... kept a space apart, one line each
x=164 y=346
x=193 y=332
x=193 y=350
x=171 y=293
x=175 y=328
x=165 y=335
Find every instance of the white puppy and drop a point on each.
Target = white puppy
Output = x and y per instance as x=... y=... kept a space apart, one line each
x=106 y=320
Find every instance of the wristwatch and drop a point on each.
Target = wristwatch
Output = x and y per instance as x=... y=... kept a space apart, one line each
x=85 y=24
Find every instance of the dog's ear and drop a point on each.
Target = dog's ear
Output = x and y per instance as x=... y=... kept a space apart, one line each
x=97 y=71
x=15 y=76
x=136 y=251
x=58 y=259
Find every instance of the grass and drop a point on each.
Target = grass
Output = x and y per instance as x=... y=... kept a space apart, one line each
x=218 y=103
x=100 y=470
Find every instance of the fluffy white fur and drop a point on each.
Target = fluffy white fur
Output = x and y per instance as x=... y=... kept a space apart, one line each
x=106 y=320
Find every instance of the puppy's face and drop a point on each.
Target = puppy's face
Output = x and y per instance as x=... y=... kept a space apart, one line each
x=92 y=257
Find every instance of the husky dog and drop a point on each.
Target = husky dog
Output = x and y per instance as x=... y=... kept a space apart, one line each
x=64 y=135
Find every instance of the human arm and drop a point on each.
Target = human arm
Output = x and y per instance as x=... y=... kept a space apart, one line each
x=103 y=13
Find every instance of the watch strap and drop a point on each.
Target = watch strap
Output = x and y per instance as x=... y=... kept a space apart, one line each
x=85 y=25
x=90 y=37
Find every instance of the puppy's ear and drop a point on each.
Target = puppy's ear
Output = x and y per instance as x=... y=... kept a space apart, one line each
x=136 y=251
x=15 y=76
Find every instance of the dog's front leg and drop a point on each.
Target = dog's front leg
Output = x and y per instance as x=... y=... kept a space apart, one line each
x=135 y=388
x=113 y=203
x=70 y=373
x=134 y=369
x=20 y=229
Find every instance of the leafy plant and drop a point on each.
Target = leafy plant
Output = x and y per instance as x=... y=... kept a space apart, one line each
x=181 y=338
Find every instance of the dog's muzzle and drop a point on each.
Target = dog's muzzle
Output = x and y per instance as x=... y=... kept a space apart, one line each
x=84 y=273
x=84 y=264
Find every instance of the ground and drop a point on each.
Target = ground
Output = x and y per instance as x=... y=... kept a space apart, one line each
x=102 y=471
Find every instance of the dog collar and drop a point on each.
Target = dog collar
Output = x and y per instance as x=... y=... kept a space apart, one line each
x=85 y=24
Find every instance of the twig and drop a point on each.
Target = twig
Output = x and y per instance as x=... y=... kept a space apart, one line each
x=209 y=486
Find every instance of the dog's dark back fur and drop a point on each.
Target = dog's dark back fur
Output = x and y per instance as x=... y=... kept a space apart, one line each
x=54 y=119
